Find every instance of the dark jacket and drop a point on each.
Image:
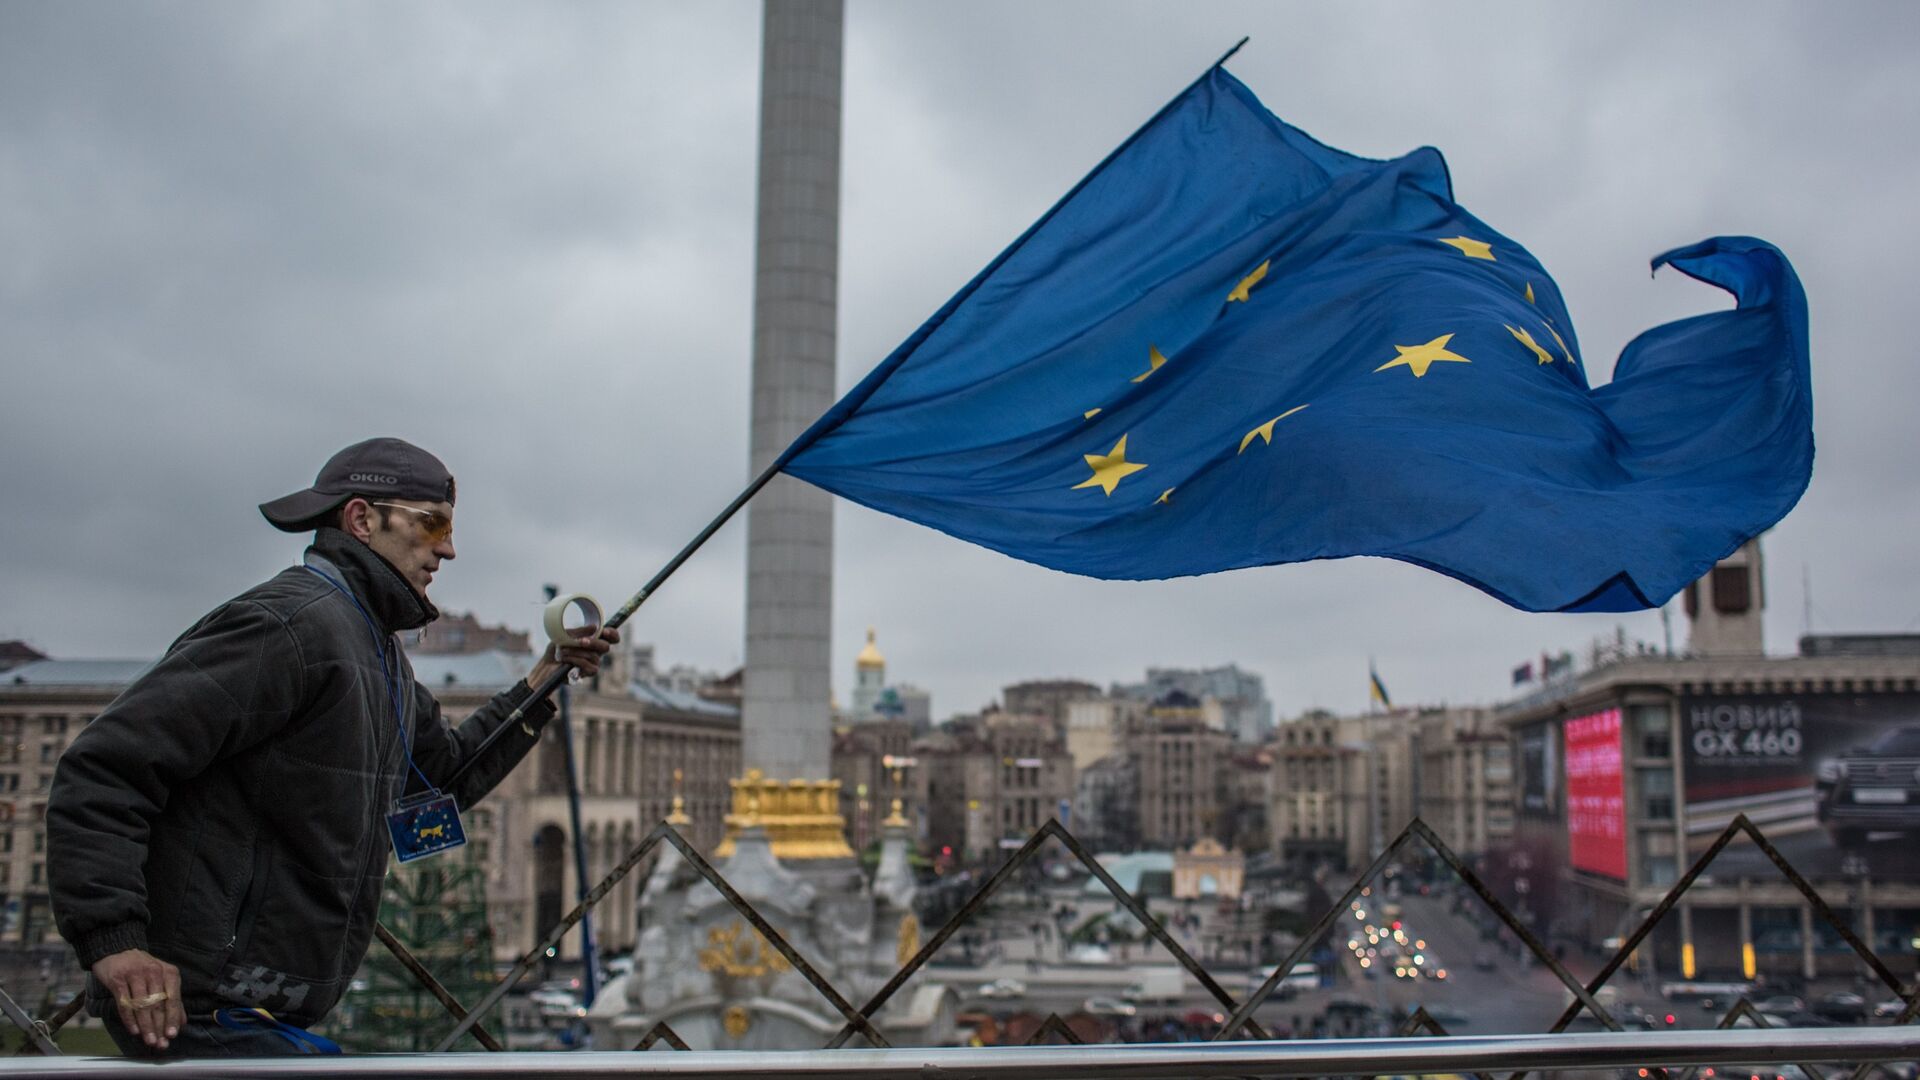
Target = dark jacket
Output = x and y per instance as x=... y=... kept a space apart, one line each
x=227 y=813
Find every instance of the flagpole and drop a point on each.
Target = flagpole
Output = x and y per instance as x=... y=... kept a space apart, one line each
x=552 y=682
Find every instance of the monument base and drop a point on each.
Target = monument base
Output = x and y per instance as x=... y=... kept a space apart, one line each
x=801 y=817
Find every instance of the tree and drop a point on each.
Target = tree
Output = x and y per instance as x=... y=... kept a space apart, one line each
x=437 y=908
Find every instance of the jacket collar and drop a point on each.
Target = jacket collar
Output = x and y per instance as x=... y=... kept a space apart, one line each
x=386 y=594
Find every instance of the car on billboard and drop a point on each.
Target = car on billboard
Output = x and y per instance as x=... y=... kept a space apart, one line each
x=1870 y=787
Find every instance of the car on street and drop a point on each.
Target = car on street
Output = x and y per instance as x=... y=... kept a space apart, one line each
x=1447 y=1014
x=1781 y=1005
x=1844 y=1006
x=1087 y=953
x=558 y=998
x=1888 y=1009
x=1106 y=1006
x=1157 y=985
x=1002 y=988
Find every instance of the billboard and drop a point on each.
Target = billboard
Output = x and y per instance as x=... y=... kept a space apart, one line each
x=1833 y=779
x=1596 y=795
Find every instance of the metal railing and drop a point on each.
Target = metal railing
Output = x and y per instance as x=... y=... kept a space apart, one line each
x=1154 y=1061
x=1439 y=1052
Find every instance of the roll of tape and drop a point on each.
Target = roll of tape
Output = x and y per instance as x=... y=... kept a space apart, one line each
x=555 y=617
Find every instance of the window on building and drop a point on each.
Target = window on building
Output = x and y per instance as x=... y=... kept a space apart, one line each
x=6 y=841
x=1656 y=794
x=39 y=841
x=48 y=752
x=1661 y=870
x=1690 y=599
x=9 y=781
x=1776 y=934
x=1653 y=727
x=1731 y=593
x=53 y=725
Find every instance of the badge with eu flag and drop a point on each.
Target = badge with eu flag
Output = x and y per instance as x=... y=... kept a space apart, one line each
x=425 y=824
x=1232 y=345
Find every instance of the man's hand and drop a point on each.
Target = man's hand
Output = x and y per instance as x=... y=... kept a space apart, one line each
x=147 y=989
x=590 y=646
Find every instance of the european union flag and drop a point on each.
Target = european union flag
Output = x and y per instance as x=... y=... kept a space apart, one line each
x=1232 y=345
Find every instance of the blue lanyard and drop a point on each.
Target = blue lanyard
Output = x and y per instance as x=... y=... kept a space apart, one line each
x=393 y=687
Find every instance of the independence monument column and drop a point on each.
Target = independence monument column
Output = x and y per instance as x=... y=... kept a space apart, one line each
x=786 y=725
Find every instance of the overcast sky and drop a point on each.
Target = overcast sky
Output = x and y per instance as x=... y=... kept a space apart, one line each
x=236 y=236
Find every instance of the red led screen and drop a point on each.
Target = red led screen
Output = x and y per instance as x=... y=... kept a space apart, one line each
x=1596 y=797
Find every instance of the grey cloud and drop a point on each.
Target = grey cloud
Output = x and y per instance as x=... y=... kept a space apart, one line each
x=234 y=237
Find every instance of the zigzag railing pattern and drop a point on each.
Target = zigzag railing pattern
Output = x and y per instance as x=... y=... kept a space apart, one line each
x=1240 y=1020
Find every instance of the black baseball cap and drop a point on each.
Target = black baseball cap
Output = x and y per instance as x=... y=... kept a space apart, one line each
x=386 y=468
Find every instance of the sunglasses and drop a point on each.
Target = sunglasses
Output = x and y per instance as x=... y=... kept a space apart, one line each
x=436 y=527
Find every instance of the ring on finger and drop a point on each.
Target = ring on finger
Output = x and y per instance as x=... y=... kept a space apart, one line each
x=151 y=1000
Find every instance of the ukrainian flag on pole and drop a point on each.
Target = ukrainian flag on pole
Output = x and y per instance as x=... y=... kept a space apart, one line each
x=1377 y=690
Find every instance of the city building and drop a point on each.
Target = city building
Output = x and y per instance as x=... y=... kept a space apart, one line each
x=991 y=781
x=1106 y=804
x=1180 y=757
x=454 y=633
x=1208 y=871
x=869 y=678
x=644 y=666
x=1095 y=727
x=1051 y=698
x=1248 y=796
x=875 y=764
x=1464 y=782
x=630 y=744
x=1343 y=786
x=876 y=699
x=1723 y=608
x=15 y=653
x=1233 y=700
x=1627 y=772
x=1626 y=775
x=1156 y=774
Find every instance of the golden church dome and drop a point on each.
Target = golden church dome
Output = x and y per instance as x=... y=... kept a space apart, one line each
x=870 y=656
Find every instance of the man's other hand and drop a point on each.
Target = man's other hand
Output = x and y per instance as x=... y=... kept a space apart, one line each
x=147 y=990
x=588 y=649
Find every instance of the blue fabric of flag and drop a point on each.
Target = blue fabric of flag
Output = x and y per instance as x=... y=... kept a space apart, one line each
x=1232 y=345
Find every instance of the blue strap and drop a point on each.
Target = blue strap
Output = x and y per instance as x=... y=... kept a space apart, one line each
x=306 y=1042
x=393 y=687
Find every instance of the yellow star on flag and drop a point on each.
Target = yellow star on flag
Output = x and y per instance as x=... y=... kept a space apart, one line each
x=1090 y=414
x=1529 y=292
x=1154 y=360
x=1109 y=468
x=1265 y=431
x=1247 y=283
x=1419 y=357
x=1563 y=345
x=1471 y=248
x=1163 y=498
x=1527 y=340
